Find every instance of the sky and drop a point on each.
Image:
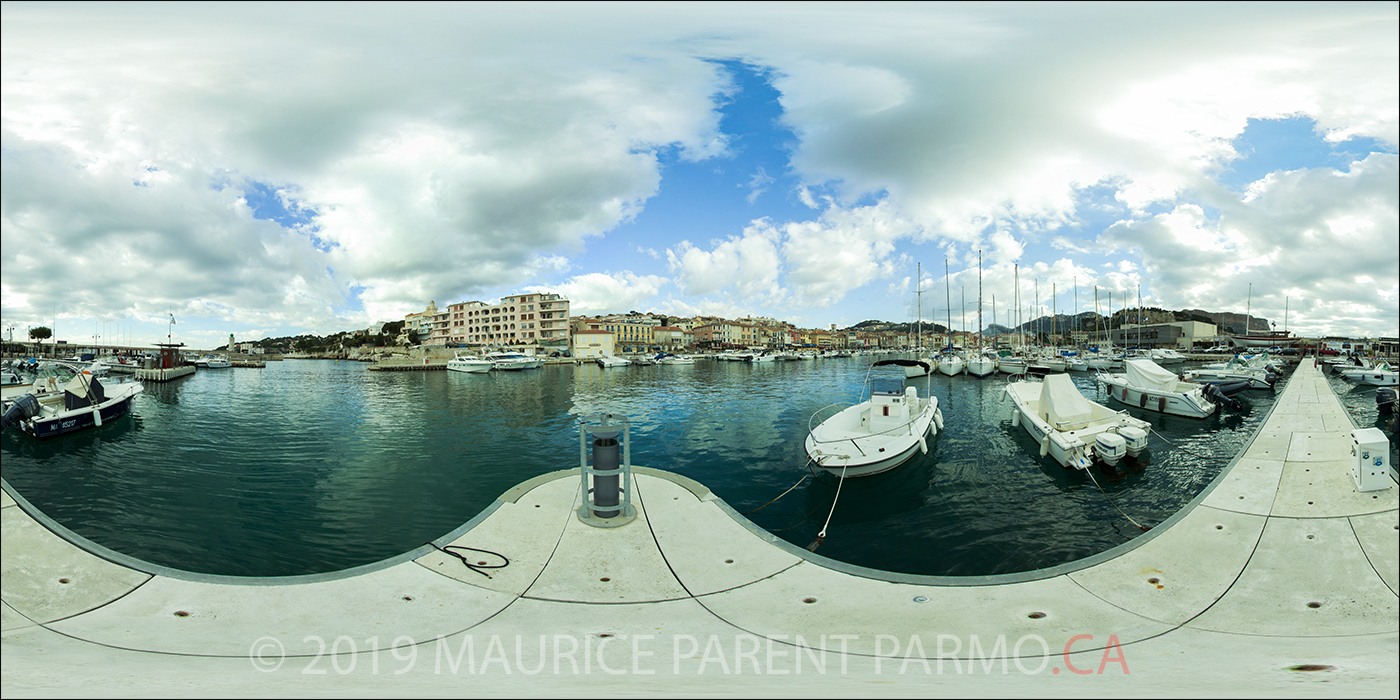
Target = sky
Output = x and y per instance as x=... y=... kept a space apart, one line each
x=273 y=169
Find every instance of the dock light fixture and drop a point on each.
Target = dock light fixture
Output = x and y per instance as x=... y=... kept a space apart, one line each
x=608 y=503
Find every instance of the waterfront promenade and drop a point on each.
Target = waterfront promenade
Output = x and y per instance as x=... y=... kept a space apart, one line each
x=1280 y=576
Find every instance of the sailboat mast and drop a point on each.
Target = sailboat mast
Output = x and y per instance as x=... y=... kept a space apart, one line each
x=979 y=302
x=948 y=284
x=919 y=285
x=1017 y=299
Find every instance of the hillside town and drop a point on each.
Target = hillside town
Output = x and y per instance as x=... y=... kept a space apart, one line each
x=542 y=324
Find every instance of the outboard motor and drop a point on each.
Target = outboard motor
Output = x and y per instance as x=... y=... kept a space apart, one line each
x=1385 y=401
x=1136 y=439
x=24 y=408
x=1218 y=397
x=1110 y=448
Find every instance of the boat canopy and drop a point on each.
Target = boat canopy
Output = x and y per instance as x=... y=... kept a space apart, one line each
x=1061 y=404
x=905 y=363
x=1147 y=374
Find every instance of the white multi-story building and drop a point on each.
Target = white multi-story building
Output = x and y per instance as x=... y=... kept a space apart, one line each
x=534 y=318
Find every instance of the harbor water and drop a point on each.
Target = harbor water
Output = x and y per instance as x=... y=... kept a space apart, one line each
x=314 y=465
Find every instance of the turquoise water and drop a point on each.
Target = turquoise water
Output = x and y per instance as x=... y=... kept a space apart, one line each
x=313 y=466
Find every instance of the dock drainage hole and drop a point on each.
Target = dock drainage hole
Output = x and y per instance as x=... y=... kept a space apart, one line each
x=181 y=613
x=408 y=597
x=1036 y=615
x=809 y=601
x=729 y=561
x=920 y=599
x=605 y=635
x=1310 y=536
x=1312 y=667
x=605 y=578
x=63 y=580
x=1314 y=605
x=1220 y=527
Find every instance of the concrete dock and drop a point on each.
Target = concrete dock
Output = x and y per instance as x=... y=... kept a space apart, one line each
x=1279 y=579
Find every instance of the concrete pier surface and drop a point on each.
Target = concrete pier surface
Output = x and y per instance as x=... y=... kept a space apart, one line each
x=1280 y=579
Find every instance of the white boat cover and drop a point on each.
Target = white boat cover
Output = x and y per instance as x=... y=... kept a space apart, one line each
x=1146 y=374
x=1062 y=405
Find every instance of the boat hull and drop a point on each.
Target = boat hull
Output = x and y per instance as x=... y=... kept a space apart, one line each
x=1173 y=404
x=840 y=447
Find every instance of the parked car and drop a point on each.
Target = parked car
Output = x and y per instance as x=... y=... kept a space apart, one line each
x=1288 y=351
x=1329 y=351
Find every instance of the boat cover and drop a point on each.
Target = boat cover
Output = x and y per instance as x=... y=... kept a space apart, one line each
x=1146 y=374
x=1062 y=405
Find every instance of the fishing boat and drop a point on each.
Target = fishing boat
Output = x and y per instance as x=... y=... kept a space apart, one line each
x=1075 y=431
x=1380 y=375
x=879 y=433
x=464 y=362
x=65 y=400
x=1147 y=385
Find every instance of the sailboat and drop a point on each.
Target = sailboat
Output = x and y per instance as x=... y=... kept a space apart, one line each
x=1008 y=362
x=949 y=361
x=1266 y=339
x=924 y=365
x=982 y=362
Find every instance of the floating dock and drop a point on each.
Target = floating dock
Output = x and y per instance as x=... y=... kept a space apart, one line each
x=163 y=375
x=1279 y=579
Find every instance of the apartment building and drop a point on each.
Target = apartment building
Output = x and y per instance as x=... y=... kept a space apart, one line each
x=535 y=318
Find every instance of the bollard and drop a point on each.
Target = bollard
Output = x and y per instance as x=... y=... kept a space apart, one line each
x=608 y=501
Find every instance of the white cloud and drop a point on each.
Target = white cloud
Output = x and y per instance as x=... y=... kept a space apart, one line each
x=597 y=293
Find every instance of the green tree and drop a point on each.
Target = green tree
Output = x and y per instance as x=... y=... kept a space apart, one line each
x=40 y=334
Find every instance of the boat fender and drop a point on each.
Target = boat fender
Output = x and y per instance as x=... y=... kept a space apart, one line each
x=1045 y=445
x=1015 y=419
x=1142 y=400
x=938 y=418
x=923 y=445
x=1162 y=404
x=96 y=417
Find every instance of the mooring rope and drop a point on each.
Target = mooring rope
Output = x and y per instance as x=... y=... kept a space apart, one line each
x=1090 y=472
x=821 y=536
x=1183 y=449
x=765 y=505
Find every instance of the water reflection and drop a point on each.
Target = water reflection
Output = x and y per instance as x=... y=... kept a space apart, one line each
x=310 y=466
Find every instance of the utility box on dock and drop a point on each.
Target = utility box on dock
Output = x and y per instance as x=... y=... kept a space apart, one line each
x=1370 y=466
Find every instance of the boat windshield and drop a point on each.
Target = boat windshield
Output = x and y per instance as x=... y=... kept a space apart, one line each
x=886 y=387
x=59 y=371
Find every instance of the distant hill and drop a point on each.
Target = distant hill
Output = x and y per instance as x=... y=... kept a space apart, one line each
x=1226 y=322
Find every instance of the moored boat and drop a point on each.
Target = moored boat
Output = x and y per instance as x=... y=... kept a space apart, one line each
x=1070 y=428
x=507 y=360
x=464 y=362
x=877 y=434
x=65 y=400
x=1147 y=385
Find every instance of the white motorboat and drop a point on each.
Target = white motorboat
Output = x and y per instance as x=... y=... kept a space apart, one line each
x=1147 y=385
x=1382 y=374
x=669 y=359
x=65 y=400
x=1167 y=356
x=877 y=434
x=613 y=361
x=1236 y=369
x=513 y=360
x=1073 y=430
x=464 y=362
